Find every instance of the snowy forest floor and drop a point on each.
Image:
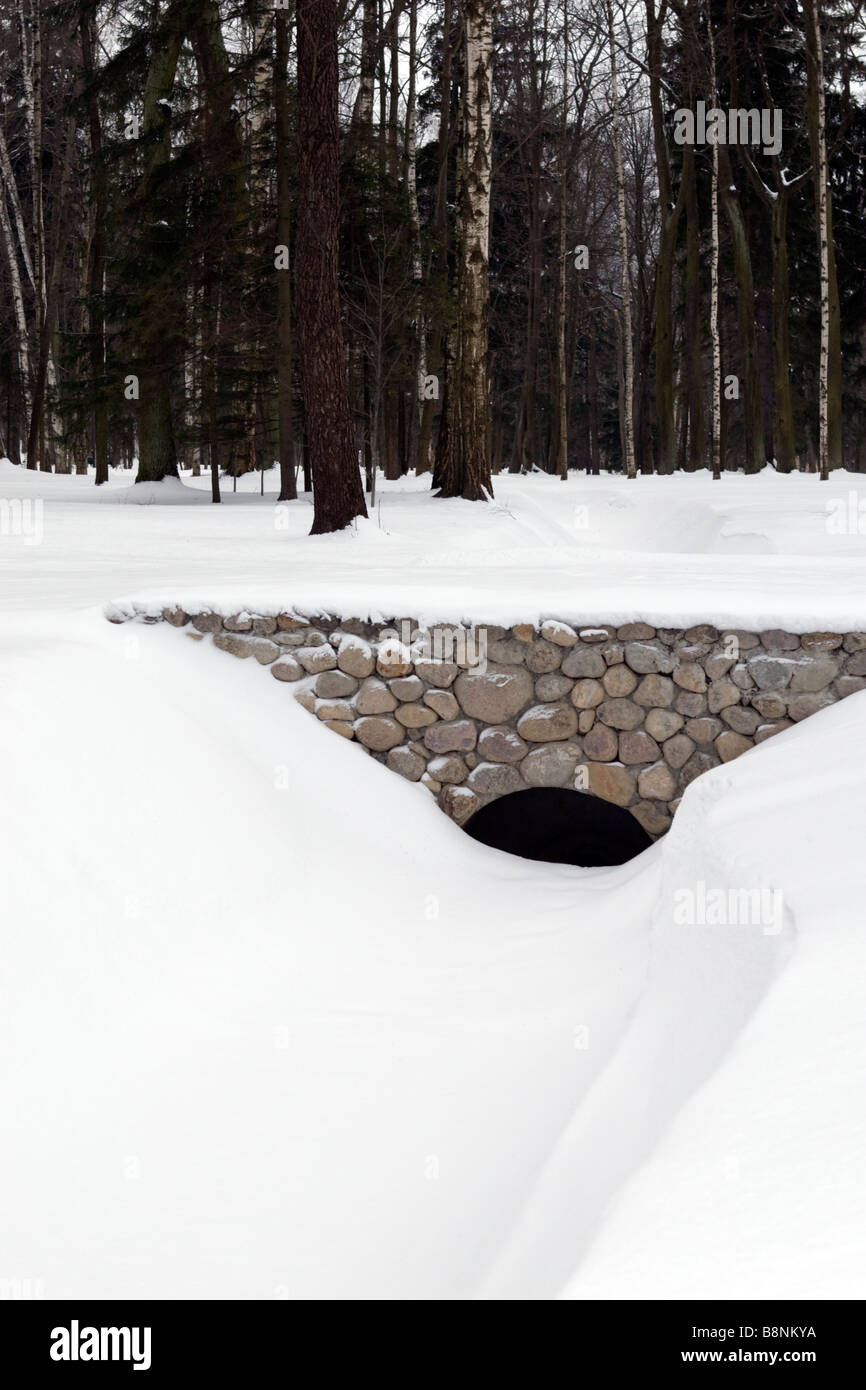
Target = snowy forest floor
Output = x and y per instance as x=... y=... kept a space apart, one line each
x=316 y=1042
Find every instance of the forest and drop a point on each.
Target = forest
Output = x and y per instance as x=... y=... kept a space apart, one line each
x=374 y=237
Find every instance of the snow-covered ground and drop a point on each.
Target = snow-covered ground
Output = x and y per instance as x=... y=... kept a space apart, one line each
x=784 y=552
x=272 y=1026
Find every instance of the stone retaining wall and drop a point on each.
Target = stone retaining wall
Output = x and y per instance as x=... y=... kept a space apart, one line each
x=631 y=713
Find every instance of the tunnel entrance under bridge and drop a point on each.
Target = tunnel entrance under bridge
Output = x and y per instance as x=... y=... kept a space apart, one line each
x=556 y=825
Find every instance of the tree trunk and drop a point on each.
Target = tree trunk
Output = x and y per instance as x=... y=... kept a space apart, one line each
x=288 y=486
x=464 y=466
x=714 y=278
x=157 y=454
x=337 y=493
x=628 y=349
x=830 y=373
x=753 y=431
x=96 y=258
x=669 y=212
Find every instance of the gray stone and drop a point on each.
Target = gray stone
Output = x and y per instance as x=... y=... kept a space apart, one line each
x=315 y=659
x=496 y=695
x=663 y=723
x=552 y=687
x=596 y=634
x=207 y=622
x=703 y=632
x=691 y=676
x=849 y=685
x=769 y=705
x=678 y=750
x=647 y=657
x=459 y=803
x=287 y=669
x=775 y=639
x=730 y=745
x=814 y=674
x=459 y=737
x=501 y=745
x=233 y=643
x=636 y=746
x=415 y=716
x=507 y=652
x=600 y=744
x=697 y=764
x=690 y=652
x=620 y=714
x=854 y=642
x=654 y=818
x=264 y=627
x=551 y=766
x=306 y=699
x=741 y=719
x=374 y=697
x=379 y=732
x=619 y=681
x=801 y=706
x=635 y=632
x=407 y=688
x=613 y=653
x=721 y=694
x=335 y=709
x=356 y=657
x=333 y=684
x=264 y=651
x=440 y=674
x=494 y=779
x=856 y=664
x=717 y=665
x=176 y=616
x=705 y=729
x=745 y=640
x=584 y=661
x=238 y=622
x=741 y=678
x=291 y=639
x=443 y=702
x=657 y=782
x=448 y=769
x=548 y=723
x=655 y=692
x=691 y=704
x=407 y=763
x=612 y=782
x=559 y=633
x=587 y=694
x=585 y=720
x=393 y=660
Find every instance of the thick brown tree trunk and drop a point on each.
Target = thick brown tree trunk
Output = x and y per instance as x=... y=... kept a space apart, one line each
x=337 y=493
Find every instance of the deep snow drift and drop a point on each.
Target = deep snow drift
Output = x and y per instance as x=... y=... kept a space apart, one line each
x=272 y=1026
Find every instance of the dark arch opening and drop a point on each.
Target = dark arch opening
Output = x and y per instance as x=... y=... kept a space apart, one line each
x=558 y=826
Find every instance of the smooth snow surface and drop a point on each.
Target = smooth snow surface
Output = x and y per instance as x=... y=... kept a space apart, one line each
x=272 y=1026
x=765 y=551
